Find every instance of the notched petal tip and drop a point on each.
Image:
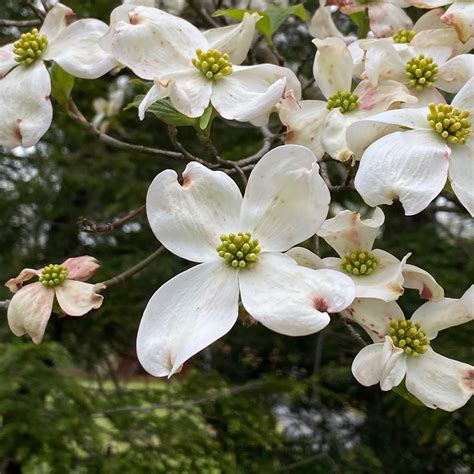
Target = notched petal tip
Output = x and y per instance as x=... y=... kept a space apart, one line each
x=15 y=284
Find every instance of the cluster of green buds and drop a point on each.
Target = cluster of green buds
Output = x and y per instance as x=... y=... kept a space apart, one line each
x=359 y=262
x=344 y=101
x=30 y=47
x=403 y=36
x=409 y=337
x=239 y=250
x=451 y=123
x=213 y=64
x=421 y=72
x=53 y=275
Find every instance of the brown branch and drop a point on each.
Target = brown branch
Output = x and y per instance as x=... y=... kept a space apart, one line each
x=132 y=271
x=20 y=23
x=87 y=225
x=203 y=14
x=354 y=334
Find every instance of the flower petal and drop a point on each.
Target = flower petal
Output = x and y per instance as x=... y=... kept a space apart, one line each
x=438 y=44
x=460 y=16
x=464 y=99
x=418 y=279
x=395 y=366
x=56 y=21
x=29 y=311
x=367 y=365
x=77 y=50
x=156 y=92
x=408 y=118
x=15 y=284
x=251 y=92
x=386 y=19
x=303 y=121
x=119 y=14
x=77 y=298
x=439 y=382
x=190 y=92
x=185 y=315
x=382 y=61
x=461 y=174
x=322 y=25
x=286 y=199
x=374 y=315
x=290 y=299
x=436 y=316
x=347 y=231
x=453 y=74
x=235 y=40
x=430 y=21
x=25 y=104
x=332 y=68
x=188 y=219
x=81 y=268
x=306 y=258
x=7 y=60
x=412 y=165
x=134 y=43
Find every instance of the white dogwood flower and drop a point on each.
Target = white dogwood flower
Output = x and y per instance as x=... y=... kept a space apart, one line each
x=402 y=348
x=238 y=244
x=413 y=163
x=25 y=84
x=375 y=272
x=321 y=125
x=195 y=69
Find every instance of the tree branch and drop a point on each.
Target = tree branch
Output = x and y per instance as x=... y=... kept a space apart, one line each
x=87 y=225
x=20 y=23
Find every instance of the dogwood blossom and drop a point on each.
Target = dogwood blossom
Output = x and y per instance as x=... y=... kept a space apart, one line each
x=195 y=69
x=321 y=125
x=412 y=164
x=25 y=84
x=30 y=308
x=376 y=273
x=402 y=348
x=237 y=243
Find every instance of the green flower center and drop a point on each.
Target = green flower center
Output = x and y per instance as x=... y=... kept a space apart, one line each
x=30 y=47
x=421 y=72
x=344 y=101
x=53 y=275
x=452 y=124
x=359 y=263
x=403 y=36
x=239 y=250
x=213 y=64
x=409 y=337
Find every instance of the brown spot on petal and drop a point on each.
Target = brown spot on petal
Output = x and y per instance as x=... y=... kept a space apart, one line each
x=186 y=181
x=468 y=380
x=320 y=304
x=17 y=131
x=134 y=18
x=426 y=293
x=396 y=288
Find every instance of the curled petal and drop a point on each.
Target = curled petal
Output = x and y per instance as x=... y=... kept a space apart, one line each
x=119 y=14
x=418 y=279
x=15 y=284
x=430 y=21
x=81 y=268
x=436 y=316
x=29 y=311
x=157 y=91
x=412 y=166
x=56 y=21
x=332 y=68
x=303 y=121
x=190 y=92
x=286 y=199
x=461 y=174
x=235 y=40
x=188 y=219
x=306 y=258
x=464 y=99
x=290 y=299
x=77 y=298
x=185 y=315
x=395 y=366
x=386 y=19
x=440 y=382
x=382 y=62
x=367 y=365
x=26 y=111
x=374 y=315
x=347 y=231
x=77 y=50
x=322 y=25
x=460 y=15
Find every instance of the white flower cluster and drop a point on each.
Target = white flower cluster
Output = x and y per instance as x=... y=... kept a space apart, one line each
x=400 y=124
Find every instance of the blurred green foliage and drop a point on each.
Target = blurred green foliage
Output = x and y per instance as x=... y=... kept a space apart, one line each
x=255 y=401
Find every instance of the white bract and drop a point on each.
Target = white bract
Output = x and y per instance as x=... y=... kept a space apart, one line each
x=413 y=163
x=25 y=84
x=196 y=69
x=321 y=125
x=376 y=273
x=237 y=243
x=402 y=348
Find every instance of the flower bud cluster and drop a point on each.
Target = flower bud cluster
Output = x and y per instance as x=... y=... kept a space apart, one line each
x=344 y=101
x=212 y=63
x=239 y=250
x=409 y=337
x=359 y=262
x=451 y=123
x=53 y=275
x=30 y=47
x=421 y=72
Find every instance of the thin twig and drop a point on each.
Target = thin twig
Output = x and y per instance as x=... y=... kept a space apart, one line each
x=135 y=269
x=20 y=23
x=354 y=334
x=86 y=225
x=203 y=14
x=37 y=11
x=4 y=304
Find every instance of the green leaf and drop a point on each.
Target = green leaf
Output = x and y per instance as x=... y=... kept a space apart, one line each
x=164 y=110
x=61 y=85
x=361 y=19
x=270 y=20
x=404 y=393
x=206 y=117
